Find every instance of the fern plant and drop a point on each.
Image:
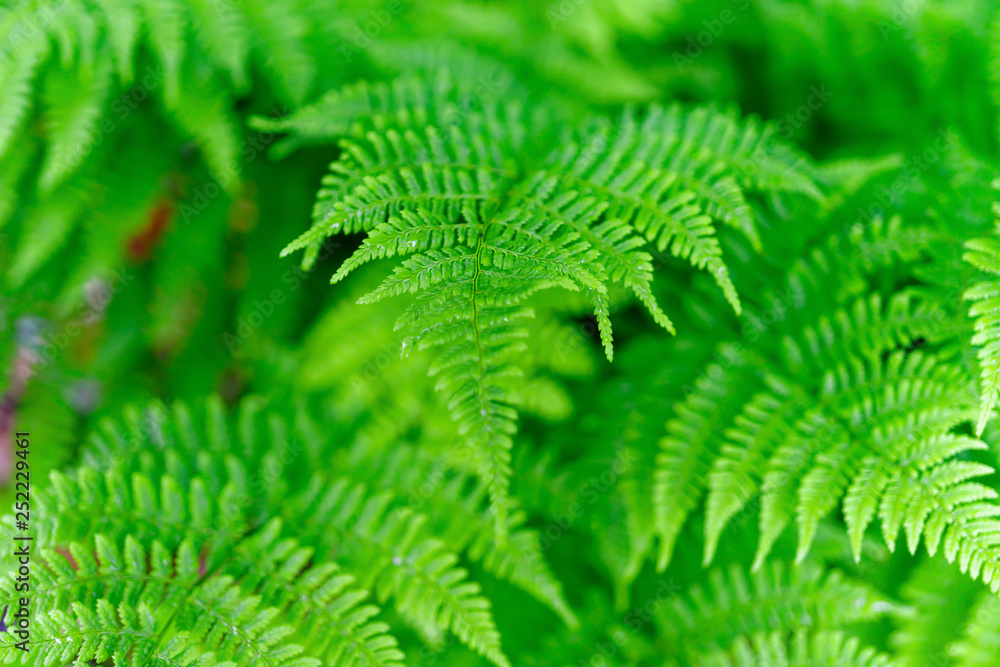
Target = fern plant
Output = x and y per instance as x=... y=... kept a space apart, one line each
x=491 y=205
x=786 y=210
x=183 y=546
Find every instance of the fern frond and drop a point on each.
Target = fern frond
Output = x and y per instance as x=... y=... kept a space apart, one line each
x=87 y=501
x=331 y=617
x=361 y=107
x=427 y=461
x=683 y=464
x=279 y=45
x=951 y=513
x=167 y=39
x=653 y=202
x=17 y=72
x=984 y=254
x=213 y=621
x=830 y=420
x=226 y=36
x=752 y=153
x=227 y=612
x=831 y=649
x=979 y=644
x=186 y=488
x=939 y=598
x=204 y=115
x=74 y=101
x=453 y=501
x=192 y=42
x=383 y=548
x=485 y=223
x=52 y=221
x=124 y=23
x=737 y=473
x=777 y=599
x=125 y=636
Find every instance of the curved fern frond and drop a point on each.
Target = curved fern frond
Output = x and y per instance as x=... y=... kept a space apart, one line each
x=487 y=215
x=172 y=479
x=427 y=461
x=125 y=636
x=832 y=413
x=87 y=501
x=383 y=546
x=826 y=649
x=224 y=34
x=78 y=78
x=453 y=501
x=693 y=441
x=984 y=254
x=716 y=619
x=939 y=598
x=979 y=644
x=219 y=607
x=74 y=102
x=410 y=101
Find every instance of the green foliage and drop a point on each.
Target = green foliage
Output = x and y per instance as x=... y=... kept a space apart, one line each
x=490 y=206
x=982 y=253
x=261 y=603
x=420 y=442
x=189 y=501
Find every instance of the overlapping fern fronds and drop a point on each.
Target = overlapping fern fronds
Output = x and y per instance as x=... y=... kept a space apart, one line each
x=262 y=536
x=490 y=202
x=78 y=75
x=834 y=410
x=792 y=407
x=79 y=53
x=259 y=599
x=736 y=611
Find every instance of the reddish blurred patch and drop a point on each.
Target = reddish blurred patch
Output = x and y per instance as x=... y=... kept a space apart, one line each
x=140 y=246
x=64 y=552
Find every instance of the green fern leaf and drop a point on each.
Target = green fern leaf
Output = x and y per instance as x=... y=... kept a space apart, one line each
x=74 y=103
x=984 y=254
x=709 y=620
x=485 y=227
